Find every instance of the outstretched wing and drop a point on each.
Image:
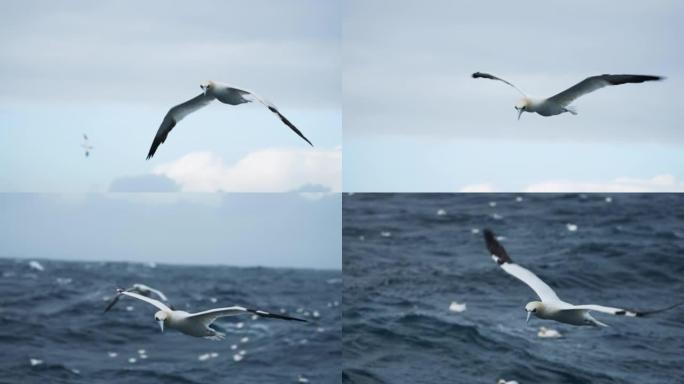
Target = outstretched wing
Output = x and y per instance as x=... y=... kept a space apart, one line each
x=176 y=114
x=590 y=84
x=140 y=288
x=253 y=97
x=208 y=317
x=499 y=254
x=154 y=302
x=621 y=311
x=483 y=75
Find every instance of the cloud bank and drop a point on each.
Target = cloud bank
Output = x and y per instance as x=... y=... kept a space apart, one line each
x=269 y=170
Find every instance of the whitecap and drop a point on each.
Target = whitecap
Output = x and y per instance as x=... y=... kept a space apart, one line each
x=35 y=362
x=36 y=265
x=457 y=307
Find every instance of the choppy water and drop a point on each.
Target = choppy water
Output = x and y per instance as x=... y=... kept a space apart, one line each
x=56 y=316
x=404 y=264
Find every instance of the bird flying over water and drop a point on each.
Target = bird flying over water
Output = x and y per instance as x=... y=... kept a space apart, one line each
x=560 y=103
x=198 y=324
x=86 y=145
x=211 y=91
x=551 y=307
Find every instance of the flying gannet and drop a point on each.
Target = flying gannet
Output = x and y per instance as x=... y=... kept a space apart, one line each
x=551 y=307
x=198 y=324
x=560 y=103
x=223 y=93
x=86 y=145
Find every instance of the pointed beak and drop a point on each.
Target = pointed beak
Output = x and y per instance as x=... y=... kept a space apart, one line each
x=161 y=325
x=204 y=89
x=528 y=317
x=520 y=112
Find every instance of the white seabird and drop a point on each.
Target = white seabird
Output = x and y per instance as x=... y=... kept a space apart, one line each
x=560 y=103
x=86 y=145
x=223 y=93
x=140 y=289
x=198 y=324
x=547 y=333
x=551 y=307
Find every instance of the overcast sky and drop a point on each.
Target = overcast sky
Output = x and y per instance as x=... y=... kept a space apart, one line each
x=113 y=69
x=252 y=229
x=414 y=119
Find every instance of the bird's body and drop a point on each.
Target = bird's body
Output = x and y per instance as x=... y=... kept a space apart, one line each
x=197 y=324
x=543 y=107
x=224 y=93
x=560 y=103
x=551 y=307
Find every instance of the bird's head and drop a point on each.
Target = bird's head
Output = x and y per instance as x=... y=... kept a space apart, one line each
x=206 y=86
x=522 y=106
x=160 y=317
x=533 y=307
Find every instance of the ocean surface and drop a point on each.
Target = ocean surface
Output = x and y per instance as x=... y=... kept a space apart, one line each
x=407 y=257
x=53 y=329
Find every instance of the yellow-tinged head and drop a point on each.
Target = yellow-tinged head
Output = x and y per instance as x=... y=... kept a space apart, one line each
x=533 y=307
x=207 y=85
x=160 y=317
x=522 y=106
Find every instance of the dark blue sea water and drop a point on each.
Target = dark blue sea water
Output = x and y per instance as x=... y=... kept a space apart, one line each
x=56 y=316
x=404 y=264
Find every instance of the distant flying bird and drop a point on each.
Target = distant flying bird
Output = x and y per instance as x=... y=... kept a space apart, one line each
x=560 y=103
x=140 y=289
x=223 y=93
x=551 y=307
x=86 y=145
x=198 y=324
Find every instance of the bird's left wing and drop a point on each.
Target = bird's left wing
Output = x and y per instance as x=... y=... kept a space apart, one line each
x=154 y=302
x=590 y=84
x=621 y=311
x=207 y=317
x=253 y=97
x=174 y=115
x=483 y=75
x=159 y=293
x=501 y=257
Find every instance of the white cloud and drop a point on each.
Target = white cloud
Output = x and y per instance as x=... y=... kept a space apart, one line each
x=269 y=170
x=660 y=183
x=482 y=188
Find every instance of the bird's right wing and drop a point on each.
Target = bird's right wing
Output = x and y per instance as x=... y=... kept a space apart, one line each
x=483 y=75
x=207 y=317
x=154 y=302
x=621 y=311
x=176 y=114
x=251 y=96
x=590 y=84
x=499 y=255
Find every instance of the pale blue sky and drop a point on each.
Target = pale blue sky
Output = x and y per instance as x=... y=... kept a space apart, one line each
x=414 y=119
x=244 y=229
x=113 y=69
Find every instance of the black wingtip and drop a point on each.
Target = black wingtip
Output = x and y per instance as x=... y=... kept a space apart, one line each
x=275 y=315
x=495 y=248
